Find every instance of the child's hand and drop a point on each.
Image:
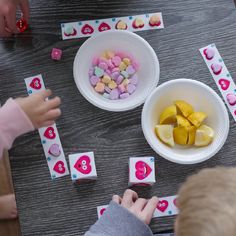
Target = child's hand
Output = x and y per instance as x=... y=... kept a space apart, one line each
x=8 y=15
x=140 y=207
x=41 y=112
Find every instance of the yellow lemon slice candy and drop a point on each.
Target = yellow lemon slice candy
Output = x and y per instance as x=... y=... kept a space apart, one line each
x=180 y=135
x=181 y=121
x=185 y=108
x=196 y=118
x=191 y=135
x=204 y=136
x=168 y=116
x=165 y=134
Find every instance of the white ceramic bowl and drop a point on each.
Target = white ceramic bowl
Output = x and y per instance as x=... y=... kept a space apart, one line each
x=203 y=98
x=124 y=41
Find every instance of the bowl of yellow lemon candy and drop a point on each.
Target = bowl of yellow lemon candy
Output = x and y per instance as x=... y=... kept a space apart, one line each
x=185 y=121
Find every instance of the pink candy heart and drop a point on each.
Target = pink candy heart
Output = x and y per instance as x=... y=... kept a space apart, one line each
x=142 y=170
x=209 y=53
x=224 y=83
x=216 y=68
x=162 y=205
x=54 y=150
x=231 y=98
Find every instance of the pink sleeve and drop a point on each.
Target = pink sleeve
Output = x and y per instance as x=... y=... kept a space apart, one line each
x=13 y=123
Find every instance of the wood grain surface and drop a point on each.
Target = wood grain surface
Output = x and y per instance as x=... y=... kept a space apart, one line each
x=58 y=207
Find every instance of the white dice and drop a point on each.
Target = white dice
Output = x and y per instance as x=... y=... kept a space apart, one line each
x=82 y=167
x=141 y=171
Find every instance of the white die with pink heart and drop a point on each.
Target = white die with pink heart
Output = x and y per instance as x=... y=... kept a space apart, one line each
x=141 y=171
x=82 y=166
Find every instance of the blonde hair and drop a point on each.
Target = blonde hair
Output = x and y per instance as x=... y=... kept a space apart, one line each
x=207 y=204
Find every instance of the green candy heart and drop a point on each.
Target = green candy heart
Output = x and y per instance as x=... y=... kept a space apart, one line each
x=98 y=72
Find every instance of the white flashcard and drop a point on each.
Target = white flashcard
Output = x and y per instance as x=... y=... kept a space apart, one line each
x=221 y=76
x=141 y=171
x=49 y=136
x=82 y=166
x=88 y=28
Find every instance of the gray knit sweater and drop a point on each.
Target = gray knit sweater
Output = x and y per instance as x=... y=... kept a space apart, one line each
x=118 y=221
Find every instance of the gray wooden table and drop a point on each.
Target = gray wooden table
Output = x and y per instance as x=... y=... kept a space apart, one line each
x=60 y=208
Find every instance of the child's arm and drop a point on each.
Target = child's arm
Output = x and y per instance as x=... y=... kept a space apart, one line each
x=8 y=15
x=22 y=115
x=129 y=216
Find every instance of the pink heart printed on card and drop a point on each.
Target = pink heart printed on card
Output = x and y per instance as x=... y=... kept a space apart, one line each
x=102 y=211
x=103 y=27
x=87 y=29
x=142 y=170
x=231 y=98
x=175 y=202
x=209 y=53
x=59 y=167
x=50 y=133
x=216 y=68
x=54 y=150
x=83 y=165
x=36 y=84
x=224 y=83
x=162 y=205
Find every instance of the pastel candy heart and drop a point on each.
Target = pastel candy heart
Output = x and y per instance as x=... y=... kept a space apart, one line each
x=36 y=84
x=87 y=29
x=103 y=65
x=98 y=72
x=124 y=95
x=209 y=53
x=130 y=70
x=59 y=167
x=49 y=133
x=143 y=170
x=216 y=68
x=54 y=150
x=131 y=88
x=116 y=60
x=134 y=80
x=125 y=74
x=119 y=79
x=224 y=83
x=91 y=72
x=231 y=98
x=103 y=27
x=94 y=80
x=162 y=205
x=114 y=94
x=83 y=165
x=115 y=75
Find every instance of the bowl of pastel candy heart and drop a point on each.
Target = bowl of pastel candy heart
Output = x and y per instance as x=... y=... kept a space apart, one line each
x=185 y=121
x=116 y=70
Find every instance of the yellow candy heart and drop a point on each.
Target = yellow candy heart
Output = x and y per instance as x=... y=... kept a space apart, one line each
x=127 y=61
x=106 y=79
x=122 y=66
x=112 y=84
x=100 y=87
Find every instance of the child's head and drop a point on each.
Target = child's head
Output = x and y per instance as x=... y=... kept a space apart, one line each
x=207 y=204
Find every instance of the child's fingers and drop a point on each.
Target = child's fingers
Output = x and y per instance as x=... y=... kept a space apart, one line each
x=46 y=93
x=47 y=123
x=150 y=208
x=116 y=199
x=129 y=197
x=3 y=32
x=24 y=6
x=139 y=204
x=10 y=18
x=53 y=103
x=52 y=114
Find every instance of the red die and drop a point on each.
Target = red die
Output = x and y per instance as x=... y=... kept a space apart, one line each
x=22 y=25
x=56 y=54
